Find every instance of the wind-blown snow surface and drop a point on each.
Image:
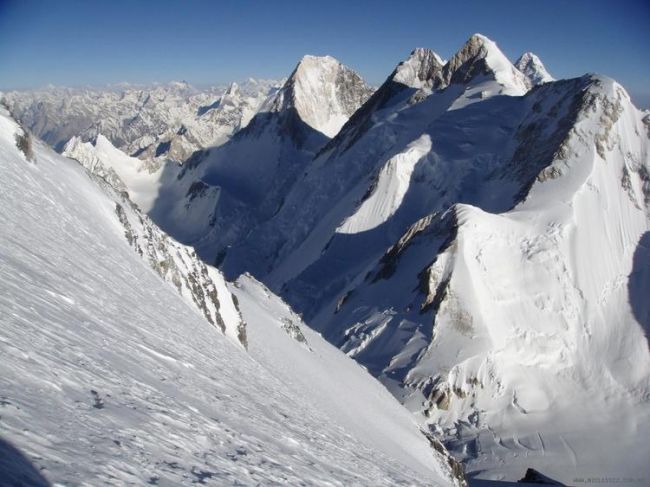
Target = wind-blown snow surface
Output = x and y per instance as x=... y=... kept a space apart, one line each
x=109 y=377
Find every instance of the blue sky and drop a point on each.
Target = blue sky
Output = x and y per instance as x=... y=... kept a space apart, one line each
x=75 y=42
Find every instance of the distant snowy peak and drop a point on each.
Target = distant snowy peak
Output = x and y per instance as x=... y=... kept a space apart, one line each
x=480 y=56
x=423 y=68
x=323 y=92
x=232 y=92
x=533 y=68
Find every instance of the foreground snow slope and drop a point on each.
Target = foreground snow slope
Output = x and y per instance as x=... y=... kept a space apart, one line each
x=109 y=377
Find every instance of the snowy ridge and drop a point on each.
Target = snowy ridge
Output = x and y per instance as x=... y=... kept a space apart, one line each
x=200 y=285
x=389 y=190
x=183 y=206
x=109 y=376
x=122 y=172
x=346 y=170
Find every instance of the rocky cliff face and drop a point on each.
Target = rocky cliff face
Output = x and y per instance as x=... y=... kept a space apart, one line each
x=200 y=285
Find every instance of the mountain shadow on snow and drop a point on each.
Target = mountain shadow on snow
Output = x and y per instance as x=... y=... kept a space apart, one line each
x=639 y=282
x=16 y=470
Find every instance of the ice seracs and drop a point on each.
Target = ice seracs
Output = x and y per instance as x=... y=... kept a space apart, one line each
x=533 y=68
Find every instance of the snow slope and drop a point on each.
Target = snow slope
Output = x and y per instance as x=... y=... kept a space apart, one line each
x=110 y=377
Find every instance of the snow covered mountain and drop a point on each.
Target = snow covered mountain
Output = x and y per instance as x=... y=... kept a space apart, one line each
x=481 y=248
x=110 y=375
x=322 y=92
x=250 y=174
x=533 y=69
x=165 y=121
x=387 y=132
x=247 y=176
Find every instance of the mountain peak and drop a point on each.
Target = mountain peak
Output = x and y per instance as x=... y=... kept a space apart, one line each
x=481 y=56
x=233 y=89
x=533 y=68
x=311 y=61
x=323 y=92
x=423 y=68
x=232 y=95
